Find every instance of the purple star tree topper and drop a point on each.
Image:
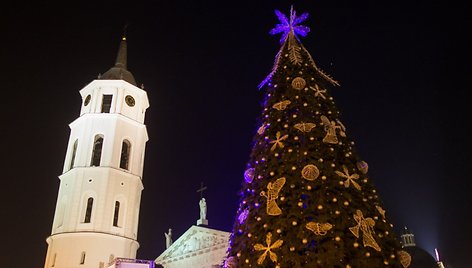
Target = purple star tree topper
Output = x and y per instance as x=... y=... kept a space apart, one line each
x=287 y=26
x=291 y=24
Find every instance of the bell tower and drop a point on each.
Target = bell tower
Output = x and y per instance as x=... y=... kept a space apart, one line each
x=97 y=209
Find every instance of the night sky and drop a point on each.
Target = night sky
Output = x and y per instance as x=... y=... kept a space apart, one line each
x=401 y=66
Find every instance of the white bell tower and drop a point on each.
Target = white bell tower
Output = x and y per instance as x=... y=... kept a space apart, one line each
x=97 y=209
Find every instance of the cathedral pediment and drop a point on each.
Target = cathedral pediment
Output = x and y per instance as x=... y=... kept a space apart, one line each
x=199 y=246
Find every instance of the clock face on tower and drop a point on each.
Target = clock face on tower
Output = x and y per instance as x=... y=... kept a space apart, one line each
x=87 y=100
x=129 y=100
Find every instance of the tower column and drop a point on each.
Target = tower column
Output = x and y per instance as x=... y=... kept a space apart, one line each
x=97 y=209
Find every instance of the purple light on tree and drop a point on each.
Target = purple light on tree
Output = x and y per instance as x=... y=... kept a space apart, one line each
x=287 y=26
x=249 y=175
x=291 y=24
x=242 y=217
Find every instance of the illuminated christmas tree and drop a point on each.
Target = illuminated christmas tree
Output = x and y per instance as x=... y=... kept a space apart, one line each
x=307 y=200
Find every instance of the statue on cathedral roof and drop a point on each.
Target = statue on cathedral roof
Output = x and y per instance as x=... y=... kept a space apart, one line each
x=168 y=238
x=203 y=209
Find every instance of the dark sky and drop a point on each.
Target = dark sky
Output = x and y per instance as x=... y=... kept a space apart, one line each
x=401 y=65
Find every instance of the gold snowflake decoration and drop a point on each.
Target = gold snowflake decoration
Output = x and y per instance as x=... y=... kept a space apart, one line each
x=268 y=249
x=278 y=141
x=349 y=178
x=319 y=92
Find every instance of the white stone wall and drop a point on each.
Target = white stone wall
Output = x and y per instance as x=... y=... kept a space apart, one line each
x=114 y=129
x=120 y=89
x=67 y=249
x=107 y=183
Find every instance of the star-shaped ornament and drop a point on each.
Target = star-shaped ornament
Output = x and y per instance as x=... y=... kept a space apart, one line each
x=291 y=24
x=268 y=249
x=278 y=141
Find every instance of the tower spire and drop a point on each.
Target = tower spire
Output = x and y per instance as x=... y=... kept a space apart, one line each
x=121 y=58
x=119 y=71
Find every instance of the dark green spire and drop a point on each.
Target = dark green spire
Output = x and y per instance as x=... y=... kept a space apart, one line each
x=120 y=71
x=121 y=59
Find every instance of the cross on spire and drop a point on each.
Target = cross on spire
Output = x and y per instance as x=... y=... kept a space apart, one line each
x=202 y=188
x=125 y=28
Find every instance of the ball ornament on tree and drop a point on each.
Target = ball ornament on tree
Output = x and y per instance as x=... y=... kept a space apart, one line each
x=405 y=258
x=230 y=262
x=310 y=172
x=261 y=129
x=249 y=175
x=363 y=167
x=243 y=216
x=298 y=83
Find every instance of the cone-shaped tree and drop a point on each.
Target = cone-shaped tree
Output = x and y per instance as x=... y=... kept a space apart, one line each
x=307 y=200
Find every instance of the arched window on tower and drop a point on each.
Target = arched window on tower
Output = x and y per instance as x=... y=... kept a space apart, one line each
x=116 y=214
x=54 y=260
x=106 y=103
x=125 y=151
x=88 y=210
x=97 y=151
x=74 y=152
x=82 y=258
